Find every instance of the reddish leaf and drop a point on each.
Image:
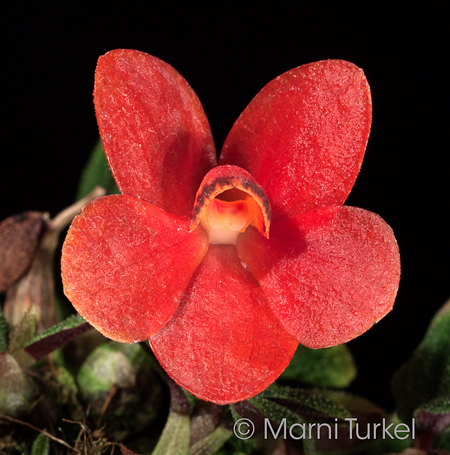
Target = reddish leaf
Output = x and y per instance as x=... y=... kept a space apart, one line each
x=126 y=451
x=432 y=422
x=46 y=345
x=126 y=264
x=223 y=343
x=304 y=135
x=328 y=274
x=154 y=131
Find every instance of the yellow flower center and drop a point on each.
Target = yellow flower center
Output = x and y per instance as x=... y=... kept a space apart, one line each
x=230 y=214
x=228 y=201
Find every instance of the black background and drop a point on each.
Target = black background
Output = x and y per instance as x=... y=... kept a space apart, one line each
x=227 y=52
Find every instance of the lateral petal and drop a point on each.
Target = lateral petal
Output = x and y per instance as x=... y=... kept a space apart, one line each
x=328 y=275
x=223 y=343
x=154 y=131
x=304 y=135
x=126 y=263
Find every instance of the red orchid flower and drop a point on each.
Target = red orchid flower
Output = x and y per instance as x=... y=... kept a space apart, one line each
x=225 y=269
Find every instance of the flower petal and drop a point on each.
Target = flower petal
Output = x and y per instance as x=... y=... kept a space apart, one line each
x=223 y=343
x=125 y=265
x=304 y=135
x=328 y=275
x=154 y=130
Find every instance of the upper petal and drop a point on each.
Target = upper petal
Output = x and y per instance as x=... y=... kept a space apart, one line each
x=304 y=135
x=328 y=275
x=125 y=265
x=223 y=343
x=154 y=131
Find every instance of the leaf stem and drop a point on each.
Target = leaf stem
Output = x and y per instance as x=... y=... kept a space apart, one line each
x=67 y=215
x=54 y=438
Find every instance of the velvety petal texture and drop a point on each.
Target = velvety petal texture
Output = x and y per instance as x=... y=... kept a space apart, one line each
x=184 y=257
x=328 y=275
x=223 y=342
x=304 y=135
x=126 y=264
x=154 y=130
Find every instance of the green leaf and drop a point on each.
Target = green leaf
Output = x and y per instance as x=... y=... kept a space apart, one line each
x=237 y=446
x=3 y=332
x=386 y=445
x=69 y=323
x=17 y=390
x=63 y=382
x=329 y=367
x=96 y=173
x=440 y=405
x=174 y=439
x=110 y=364
x=278 y=413
x=56 y=336
x=290 y=423
x=426 y=375
x=314 y=400
x=355 y=404
x=212 y=443
x=122 y=374
x=234 y=414
x=434 y=416
x=369 y=413
x=21 y=334
x=41 y=445
x=192 y=399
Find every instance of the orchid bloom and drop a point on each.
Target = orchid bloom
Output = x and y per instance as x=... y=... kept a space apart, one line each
x=226 y=268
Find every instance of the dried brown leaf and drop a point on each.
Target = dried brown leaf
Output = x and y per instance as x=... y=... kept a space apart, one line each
x=19 y=235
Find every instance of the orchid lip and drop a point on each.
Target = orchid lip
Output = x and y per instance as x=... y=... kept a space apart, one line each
x=228 y=201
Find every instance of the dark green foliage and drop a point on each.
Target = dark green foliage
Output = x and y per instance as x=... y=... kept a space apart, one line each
x=426 y=375
x=96 y=173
